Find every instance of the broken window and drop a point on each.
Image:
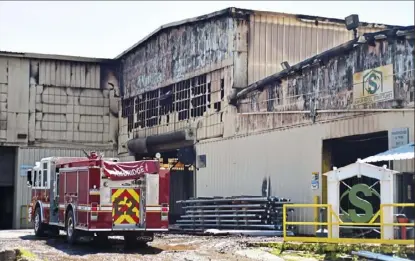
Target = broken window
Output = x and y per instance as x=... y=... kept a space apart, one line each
x=199 y=96
x=188 y=98
x=166 y=102
x=128 y=112
x=271 y=93
x=152 y=107
x=183 y=99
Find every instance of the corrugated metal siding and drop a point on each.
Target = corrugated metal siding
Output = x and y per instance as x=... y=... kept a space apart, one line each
x=274 y=39
x=237 y=166
x=68 y=74
x=57 y=101
x=28 y=156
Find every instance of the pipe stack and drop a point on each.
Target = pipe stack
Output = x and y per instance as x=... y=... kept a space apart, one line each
x=241 y=213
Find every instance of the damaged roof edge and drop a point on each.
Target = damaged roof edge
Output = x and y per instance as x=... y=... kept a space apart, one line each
x=55 y=57
x=238 y=12
x=225 y=12
x=324 y=56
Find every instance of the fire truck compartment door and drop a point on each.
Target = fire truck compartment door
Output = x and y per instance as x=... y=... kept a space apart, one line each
x=126 y=208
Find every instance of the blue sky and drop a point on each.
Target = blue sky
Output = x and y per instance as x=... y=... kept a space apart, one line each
x=105 y=29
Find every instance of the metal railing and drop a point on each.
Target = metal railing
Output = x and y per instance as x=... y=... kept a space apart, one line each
x=334 y=220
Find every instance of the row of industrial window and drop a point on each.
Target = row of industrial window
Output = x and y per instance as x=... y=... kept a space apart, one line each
x=189 y=99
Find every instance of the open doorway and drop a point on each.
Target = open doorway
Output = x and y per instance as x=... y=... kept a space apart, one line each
x=181 y=179
x=7 y=166
x=343 y=151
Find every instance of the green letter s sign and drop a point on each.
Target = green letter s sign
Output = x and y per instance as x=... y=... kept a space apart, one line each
x=360 y=203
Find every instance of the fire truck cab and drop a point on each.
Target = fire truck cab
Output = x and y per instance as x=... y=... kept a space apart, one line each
x=95 y=196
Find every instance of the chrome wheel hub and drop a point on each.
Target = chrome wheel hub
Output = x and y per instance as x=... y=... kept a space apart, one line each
x=70 y=227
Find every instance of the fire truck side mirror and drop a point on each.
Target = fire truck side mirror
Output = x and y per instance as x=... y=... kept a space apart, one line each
x=29 y=178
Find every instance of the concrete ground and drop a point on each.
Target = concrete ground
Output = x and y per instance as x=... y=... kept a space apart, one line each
x=163 y=248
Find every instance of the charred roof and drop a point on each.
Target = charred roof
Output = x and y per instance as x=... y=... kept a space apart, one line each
x=324 y=57
x=243 y=14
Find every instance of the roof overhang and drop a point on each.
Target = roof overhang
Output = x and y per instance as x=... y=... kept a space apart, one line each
x=55 y=57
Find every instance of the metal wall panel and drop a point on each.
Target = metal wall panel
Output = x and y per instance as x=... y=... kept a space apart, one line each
x=275 y=38
x=28 y=156
x=58 y=102
x=70 y=74
x=237 y=166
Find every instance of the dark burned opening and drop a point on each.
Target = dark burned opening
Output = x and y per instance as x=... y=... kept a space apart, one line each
x=346 y=150
x=189 y=99
x=7 y=166
x=181 y=184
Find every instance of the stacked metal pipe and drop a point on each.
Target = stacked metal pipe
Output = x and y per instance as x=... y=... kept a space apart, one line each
x=242 y=213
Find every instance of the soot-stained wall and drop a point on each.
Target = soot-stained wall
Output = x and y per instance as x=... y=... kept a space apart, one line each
x=329 y=86
x=173 y=54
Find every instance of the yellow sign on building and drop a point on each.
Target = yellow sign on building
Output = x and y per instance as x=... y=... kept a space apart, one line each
x=373 y=85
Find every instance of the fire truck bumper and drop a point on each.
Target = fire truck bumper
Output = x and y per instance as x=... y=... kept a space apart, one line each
x=125 y=229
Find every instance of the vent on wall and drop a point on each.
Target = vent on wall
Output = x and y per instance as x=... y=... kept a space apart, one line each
x=21 y=136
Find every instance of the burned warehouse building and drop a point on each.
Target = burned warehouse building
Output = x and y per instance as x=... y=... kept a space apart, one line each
x=229 y=101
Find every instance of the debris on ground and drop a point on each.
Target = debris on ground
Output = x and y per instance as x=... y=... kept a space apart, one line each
x=165 y=247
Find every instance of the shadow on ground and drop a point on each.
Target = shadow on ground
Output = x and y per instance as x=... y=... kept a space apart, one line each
x=86 y=246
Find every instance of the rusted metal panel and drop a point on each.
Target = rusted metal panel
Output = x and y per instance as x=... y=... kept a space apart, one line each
x=275 y=38
x=27 y=156
x=176 y=52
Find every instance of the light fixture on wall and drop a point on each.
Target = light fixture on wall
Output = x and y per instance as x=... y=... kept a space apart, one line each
x=352 y=23
x=285 y=65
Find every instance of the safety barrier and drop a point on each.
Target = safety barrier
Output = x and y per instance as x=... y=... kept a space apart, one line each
x=334 y=220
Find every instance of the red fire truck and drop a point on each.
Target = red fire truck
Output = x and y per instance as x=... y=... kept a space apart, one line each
x=95 y=196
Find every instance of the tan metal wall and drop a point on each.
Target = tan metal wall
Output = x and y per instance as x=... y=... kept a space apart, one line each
x=57 y=102
x=275 y=38
x=237 y=166
x=28 y=156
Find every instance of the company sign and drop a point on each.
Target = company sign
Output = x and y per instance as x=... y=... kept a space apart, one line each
x=398 y=137
x=129 y=170
x=360 y=209
x=373 y=85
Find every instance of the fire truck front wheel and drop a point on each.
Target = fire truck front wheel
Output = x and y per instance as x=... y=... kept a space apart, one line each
x=38 y=225
x=71 y=233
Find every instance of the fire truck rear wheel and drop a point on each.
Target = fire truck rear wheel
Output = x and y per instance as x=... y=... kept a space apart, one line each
x=38 y=225
x=71 y=233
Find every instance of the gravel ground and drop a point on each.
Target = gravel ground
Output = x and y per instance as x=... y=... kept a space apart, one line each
x=163 y=248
